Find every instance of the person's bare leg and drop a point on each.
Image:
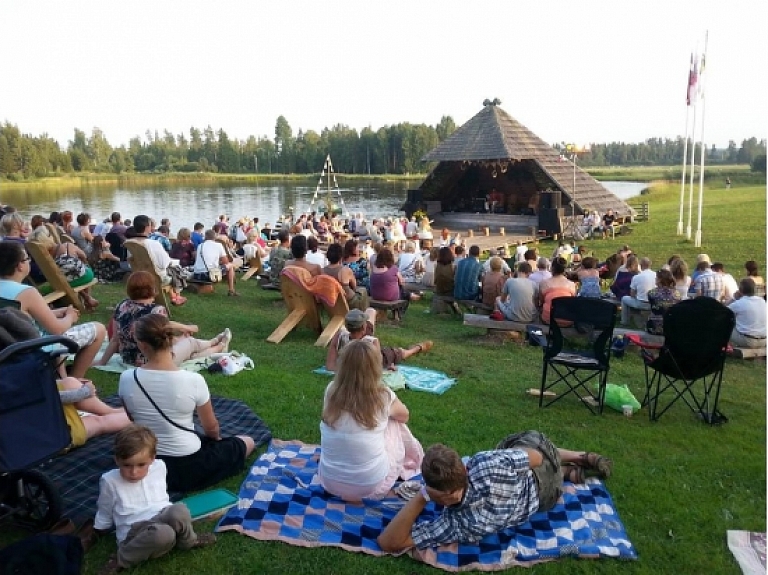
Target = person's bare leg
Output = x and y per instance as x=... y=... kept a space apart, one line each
x=84 y=358
x=416 y=348
x=588 y=460
x=90 y=404
x=250 y=445
x=231 y=278
x=100 y=424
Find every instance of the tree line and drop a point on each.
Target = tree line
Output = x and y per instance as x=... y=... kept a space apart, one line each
x=395 y=149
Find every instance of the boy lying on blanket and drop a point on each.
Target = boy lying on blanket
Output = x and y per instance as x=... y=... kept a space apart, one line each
x=495 y=490
x=360 y=325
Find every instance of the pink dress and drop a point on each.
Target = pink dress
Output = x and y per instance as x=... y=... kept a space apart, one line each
x=384 y=286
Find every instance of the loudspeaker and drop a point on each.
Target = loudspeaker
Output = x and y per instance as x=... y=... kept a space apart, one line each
x=551 y=220
x=550 y=200
x=414 y=196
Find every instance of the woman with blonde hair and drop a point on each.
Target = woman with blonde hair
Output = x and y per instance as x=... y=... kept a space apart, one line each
x=365 y=442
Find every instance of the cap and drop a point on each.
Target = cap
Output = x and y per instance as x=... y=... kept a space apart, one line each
x=703 y=258
x=355 y=320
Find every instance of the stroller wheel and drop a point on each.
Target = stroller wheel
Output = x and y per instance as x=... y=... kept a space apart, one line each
x=36 y=500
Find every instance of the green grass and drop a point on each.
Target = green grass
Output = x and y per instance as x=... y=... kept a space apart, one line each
x=678 y=484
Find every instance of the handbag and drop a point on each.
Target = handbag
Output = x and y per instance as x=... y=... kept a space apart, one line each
x=214 y=274
x=201 y=435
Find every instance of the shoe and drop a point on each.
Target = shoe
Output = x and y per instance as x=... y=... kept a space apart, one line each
x=596 y=462
x=233 y=293
x=63 y=526
x=111 y=566
x=179 y=300
x=573 y=473
x=425 y=346
x=204 y=540
x=226 y=337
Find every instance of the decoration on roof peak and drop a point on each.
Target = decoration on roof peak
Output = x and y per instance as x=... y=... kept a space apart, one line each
x=494 y=102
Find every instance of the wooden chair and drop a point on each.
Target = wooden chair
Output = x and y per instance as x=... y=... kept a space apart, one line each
x=231 y=255
x=54 y=231
x=60 y=288
x=140 y=260
x=254 y=267
x=302 y=307
x=337 y=314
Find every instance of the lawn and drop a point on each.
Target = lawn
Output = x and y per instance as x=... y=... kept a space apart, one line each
x=678 y=484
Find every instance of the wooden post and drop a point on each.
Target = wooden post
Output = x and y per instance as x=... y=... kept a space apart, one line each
x=501 y=231
x=486 y=231
x=470 y=233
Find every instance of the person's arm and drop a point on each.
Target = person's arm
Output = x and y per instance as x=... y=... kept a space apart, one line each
x=54 y=323
x=183 y=327
x=104 y=507
x=112 y=348
x=397 y=535
x=535 y=458
x=398 y=411
x=208 y=420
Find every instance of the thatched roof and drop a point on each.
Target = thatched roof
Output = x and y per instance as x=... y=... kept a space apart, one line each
x=494 y=135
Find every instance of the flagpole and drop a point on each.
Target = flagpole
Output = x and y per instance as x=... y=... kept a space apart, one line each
x=693 y=169
x=682 y=179
x=697 y=241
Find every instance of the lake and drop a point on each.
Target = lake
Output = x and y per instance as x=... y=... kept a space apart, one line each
x=186 y=204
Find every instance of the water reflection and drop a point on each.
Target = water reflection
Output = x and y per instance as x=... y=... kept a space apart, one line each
x=186 y=204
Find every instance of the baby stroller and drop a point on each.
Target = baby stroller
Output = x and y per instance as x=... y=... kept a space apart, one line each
x=32 y=430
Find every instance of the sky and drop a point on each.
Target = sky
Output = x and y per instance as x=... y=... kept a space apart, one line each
x=581 y=71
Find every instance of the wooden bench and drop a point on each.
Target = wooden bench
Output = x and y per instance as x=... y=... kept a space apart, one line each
x=747 y=352
x=476 y=306
x=476 y=320
x=60 y=288
x=396 y=308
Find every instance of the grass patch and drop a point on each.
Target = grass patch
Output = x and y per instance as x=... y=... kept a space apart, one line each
x=678 y=484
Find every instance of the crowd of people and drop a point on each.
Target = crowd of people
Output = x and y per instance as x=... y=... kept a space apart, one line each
x=366 y=443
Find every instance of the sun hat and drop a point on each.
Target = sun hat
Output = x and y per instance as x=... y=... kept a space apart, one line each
x=703 y=258
x=355 y=320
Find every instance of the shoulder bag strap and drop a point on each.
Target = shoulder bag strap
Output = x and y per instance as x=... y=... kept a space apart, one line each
x=160 y=411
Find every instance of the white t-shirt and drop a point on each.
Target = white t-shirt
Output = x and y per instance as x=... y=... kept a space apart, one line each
x=178 y=394
x=642 y=283
x=520 y=253
x=539 y=276
x=159 y=256
x=504 y=267
x=730 y=286
x=317 y=257
x=352 y=454
x=750 y=315
x=210 y=252
x=123 y=503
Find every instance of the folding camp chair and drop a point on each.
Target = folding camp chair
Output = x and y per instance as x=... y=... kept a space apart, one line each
x=577 y=368
x=696 y=333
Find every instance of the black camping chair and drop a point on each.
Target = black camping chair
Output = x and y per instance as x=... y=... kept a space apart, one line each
x=577 y=368
x=696 y=333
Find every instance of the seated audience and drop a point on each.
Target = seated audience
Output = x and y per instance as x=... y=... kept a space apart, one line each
x=556 y=286
x=494 y=490
x=661 y=298
x=639 y=287
x=72 y=261
x=14 y=267
x=679 y=270
x=141 y=302
x=750 y=310
x=493 y=281
x=444 y=280
x=589 y=278
x=519 y=296
x=210 y=256
x=707 y=282
x=542 y=271
x=279 y=254
x=365 y=442
x=386 y=281
x=357 y=263
x=607 y=224
x=198 y=234
x=183 y=249
x=753 y=272
x=79 y=395
x=299 y=256
x=467 y=277
x=505 y=269
x=314 y=255
x=169 y=274
x=105 y=265
x=194 y=462
x=730 y=287
x=428 y=279
x=81 y=233
x=357 y=297
x=410 y=264
x=621 y=285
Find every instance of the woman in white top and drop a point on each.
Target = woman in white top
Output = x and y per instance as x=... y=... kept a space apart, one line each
x=410 y=264
x=365 y=442
x=194 y=462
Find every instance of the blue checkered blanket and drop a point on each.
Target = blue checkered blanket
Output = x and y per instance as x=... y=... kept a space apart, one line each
x=281 y=499
x=412 y=377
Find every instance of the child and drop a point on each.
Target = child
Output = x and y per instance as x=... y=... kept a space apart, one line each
x=105 y=265
x=134 y=499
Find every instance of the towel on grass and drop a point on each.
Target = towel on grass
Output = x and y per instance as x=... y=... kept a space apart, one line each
x=76 y=473
x=281 y=499
x=415 y=378
x=748 y=547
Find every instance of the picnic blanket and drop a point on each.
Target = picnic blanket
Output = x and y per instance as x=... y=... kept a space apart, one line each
x=281 y=499
x=76 y=474
x=324 y=288
x=748 y=547
x=415 y=378
x=117 y=365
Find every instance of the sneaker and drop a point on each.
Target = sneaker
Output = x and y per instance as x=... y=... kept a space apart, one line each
x=226 y=337
x=425 y=346
x=204 y=540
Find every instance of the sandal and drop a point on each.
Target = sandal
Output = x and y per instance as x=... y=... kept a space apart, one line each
x=596 y=462
x=573 y=473
x=425 y=346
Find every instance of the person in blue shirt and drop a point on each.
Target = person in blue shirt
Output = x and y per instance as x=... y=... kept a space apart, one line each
x=467 y=278
x=197 y=234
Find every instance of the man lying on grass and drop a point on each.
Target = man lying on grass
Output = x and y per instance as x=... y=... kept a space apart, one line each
x=495 y=490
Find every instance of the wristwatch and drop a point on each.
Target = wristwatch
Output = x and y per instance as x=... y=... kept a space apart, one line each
x=424 y=493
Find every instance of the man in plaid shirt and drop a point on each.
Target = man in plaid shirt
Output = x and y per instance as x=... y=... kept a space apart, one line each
x=494 y=490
